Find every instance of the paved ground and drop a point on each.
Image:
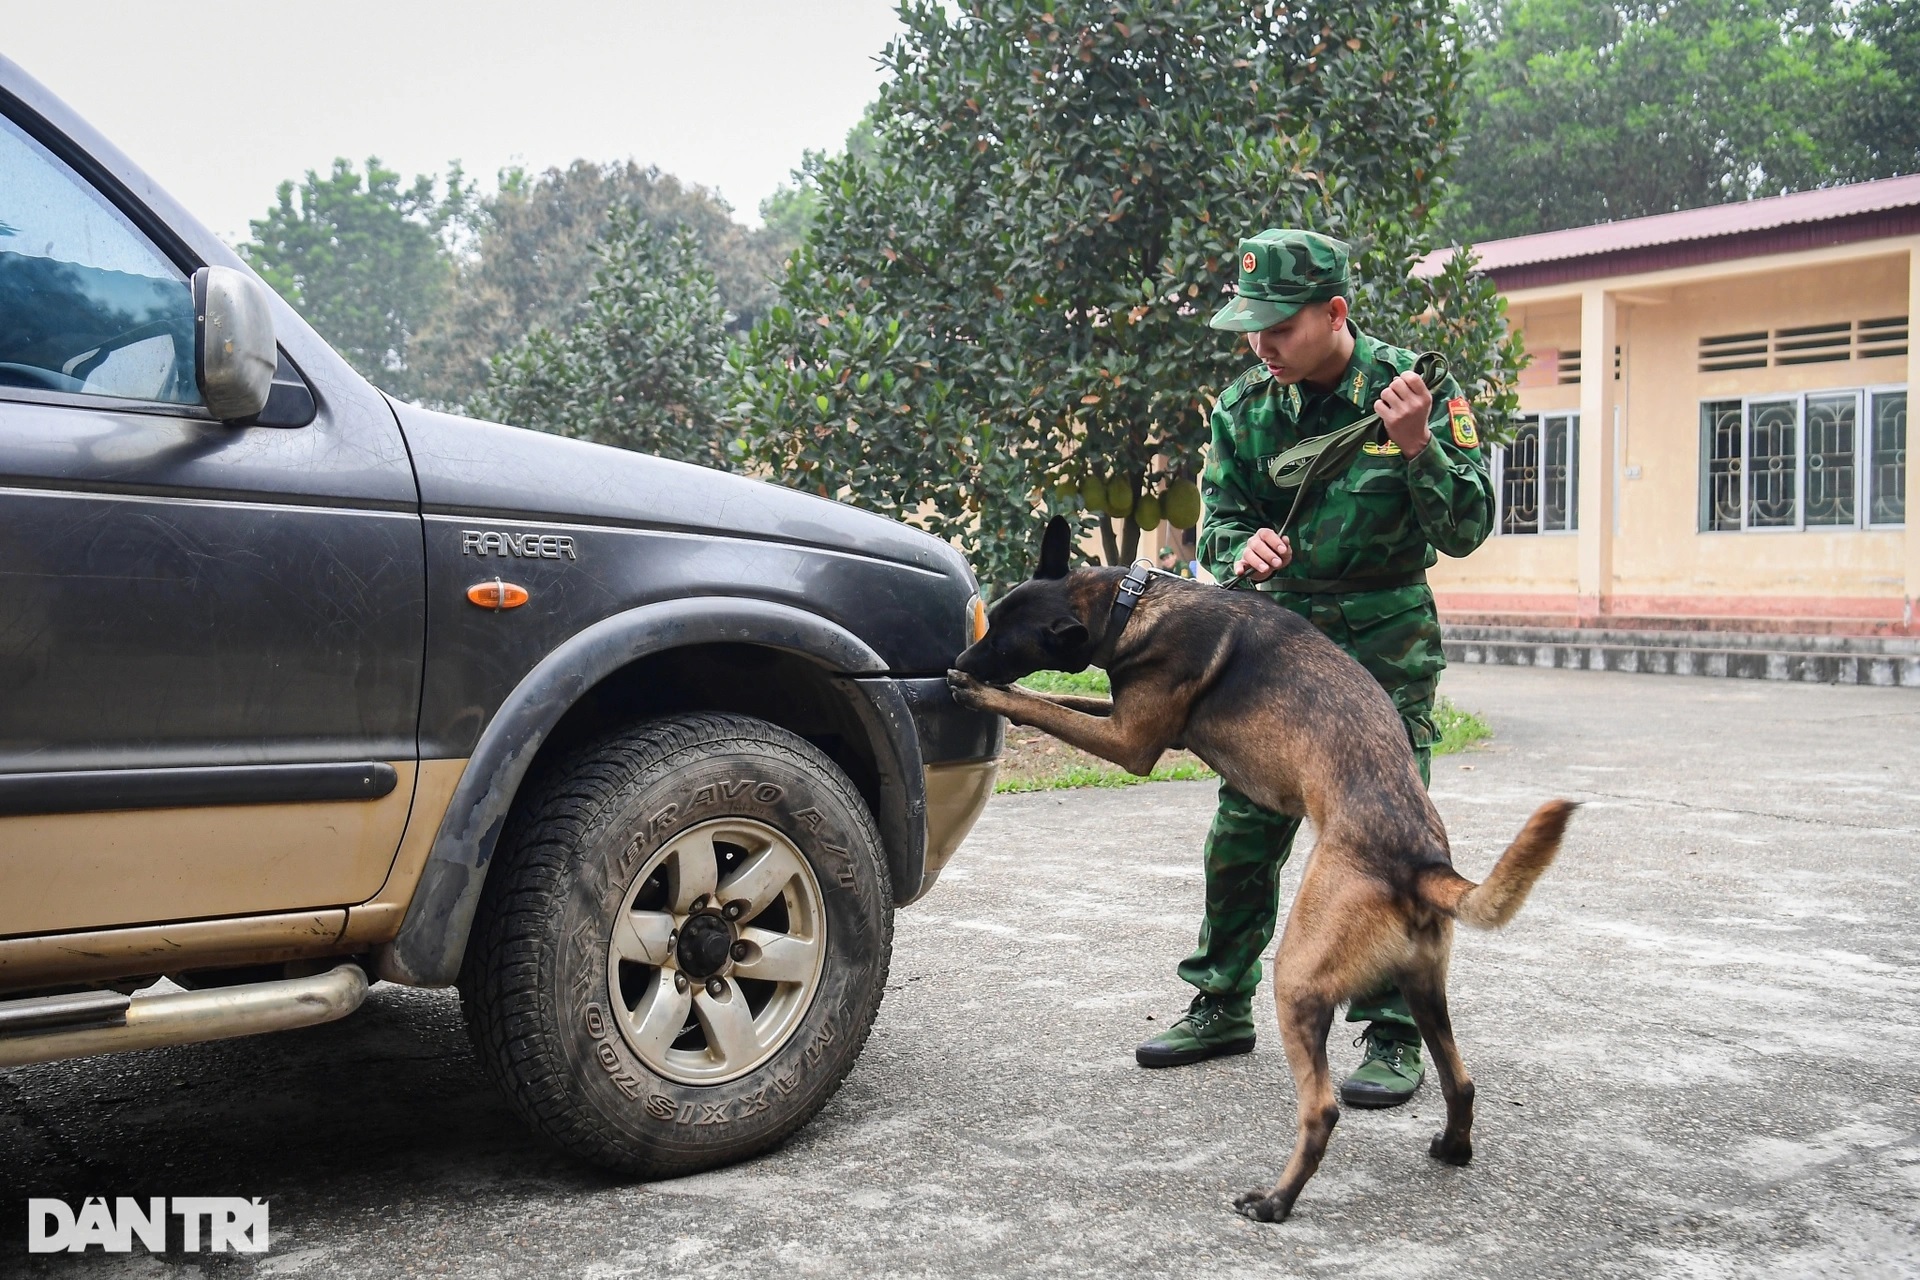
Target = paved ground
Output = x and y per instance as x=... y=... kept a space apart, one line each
x=1698 y=1053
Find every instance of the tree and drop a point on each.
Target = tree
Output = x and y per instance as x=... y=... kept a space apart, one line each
x=788 y=213
x=1887 y=122
x=365 y=265
x=1583 y=112
x=1008 y=301
x=534 y=249
x=639 y=367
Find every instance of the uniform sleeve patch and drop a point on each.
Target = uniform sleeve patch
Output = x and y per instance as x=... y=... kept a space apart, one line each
x=1460 y=415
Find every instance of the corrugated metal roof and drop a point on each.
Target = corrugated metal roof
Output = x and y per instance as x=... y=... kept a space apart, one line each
x=1690 y=224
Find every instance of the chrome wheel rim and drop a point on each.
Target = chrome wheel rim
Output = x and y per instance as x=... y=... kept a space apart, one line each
x=716 y=951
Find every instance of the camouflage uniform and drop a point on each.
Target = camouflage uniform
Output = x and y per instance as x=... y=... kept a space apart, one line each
x=1383 y=518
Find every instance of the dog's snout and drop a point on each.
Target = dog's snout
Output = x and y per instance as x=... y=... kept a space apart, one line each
x=976 y=661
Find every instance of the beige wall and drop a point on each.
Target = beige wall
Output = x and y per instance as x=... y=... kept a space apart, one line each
x=1650 y=556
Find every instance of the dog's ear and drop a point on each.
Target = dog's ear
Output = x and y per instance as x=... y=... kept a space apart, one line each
x=1064 y=635
x=1054 y=545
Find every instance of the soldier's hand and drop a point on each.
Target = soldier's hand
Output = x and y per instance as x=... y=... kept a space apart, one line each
x=1404 y=407
x=1265 y=554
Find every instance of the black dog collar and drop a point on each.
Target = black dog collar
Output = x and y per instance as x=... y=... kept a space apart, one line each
x=1132 y=587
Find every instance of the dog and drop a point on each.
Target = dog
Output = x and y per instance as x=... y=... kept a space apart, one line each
x=1297 y=726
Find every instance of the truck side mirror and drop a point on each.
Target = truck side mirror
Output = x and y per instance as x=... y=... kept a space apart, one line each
x=233 y=348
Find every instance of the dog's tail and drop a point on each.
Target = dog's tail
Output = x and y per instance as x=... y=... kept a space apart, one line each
x=1492 y=903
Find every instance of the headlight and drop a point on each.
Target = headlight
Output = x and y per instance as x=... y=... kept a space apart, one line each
x=976 y=628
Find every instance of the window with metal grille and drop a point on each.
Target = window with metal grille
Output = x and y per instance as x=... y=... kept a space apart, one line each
x=1721 y=484
x=1833 y=485
x=1535 y=489
x=1805 y=344
x=1818 y=459
x=1887 y=470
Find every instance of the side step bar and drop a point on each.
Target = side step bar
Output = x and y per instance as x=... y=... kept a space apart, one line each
x=48 y=1028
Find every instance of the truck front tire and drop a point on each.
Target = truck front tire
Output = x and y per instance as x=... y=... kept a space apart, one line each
x=681 y=946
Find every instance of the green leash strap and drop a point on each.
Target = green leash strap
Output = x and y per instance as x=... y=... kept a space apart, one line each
x=1330 y=454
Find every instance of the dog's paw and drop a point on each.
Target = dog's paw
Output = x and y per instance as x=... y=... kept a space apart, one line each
x=968 y=691
x=1261 y=1207
x=1449 y=1151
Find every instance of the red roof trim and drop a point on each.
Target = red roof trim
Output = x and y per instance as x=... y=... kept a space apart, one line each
x=1600 y=247
x=1692 y=253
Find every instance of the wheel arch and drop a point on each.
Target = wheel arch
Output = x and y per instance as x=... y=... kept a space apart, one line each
x=783 y=664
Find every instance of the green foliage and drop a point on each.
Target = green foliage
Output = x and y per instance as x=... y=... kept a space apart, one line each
x=639 y=367
x=1888 y=119
x=533 y=249
x=788 y=214
x=1099 y=775
x=363 y=259
x=1012 y=291
x=1583 y=112
x=1458 y=729
x=1089 y=683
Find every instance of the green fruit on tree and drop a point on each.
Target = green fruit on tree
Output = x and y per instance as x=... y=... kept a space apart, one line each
x=1066 y=491
x=1093 y=492
x=1183 y=504
x=1120 y=497
x=1146 y=512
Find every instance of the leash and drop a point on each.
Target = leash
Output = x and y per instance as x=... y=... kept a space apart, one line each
x=1326 y=456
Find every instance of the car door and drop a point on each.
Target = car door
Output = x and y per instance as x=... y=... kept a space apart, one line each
x=211 y=636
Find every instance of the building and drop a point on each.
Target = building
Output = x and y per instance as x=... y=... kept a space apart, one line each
x=1716 y=423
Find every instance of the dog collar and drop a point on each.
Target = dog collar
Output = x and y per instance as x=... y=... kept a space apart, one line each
x=1132 y=587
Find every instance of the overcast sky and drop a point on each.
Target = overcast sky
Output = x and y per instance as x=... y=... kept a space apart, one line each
x=220 y=100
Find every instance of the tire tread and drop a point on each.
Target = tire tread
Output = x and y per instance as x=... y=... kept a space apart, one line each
x=511 y=947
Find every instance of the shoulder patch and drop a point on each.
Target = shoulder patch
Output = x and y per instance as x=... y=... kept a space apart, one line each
x=1460 y=416
x=1239 y=387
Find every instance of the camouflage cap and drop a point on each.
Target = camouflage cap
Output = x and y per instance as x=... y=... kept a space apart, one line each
x=1281 y=270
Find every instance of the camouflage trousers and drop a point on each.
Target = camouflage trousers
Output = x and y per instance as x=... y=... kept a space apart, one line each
x=1247 y=846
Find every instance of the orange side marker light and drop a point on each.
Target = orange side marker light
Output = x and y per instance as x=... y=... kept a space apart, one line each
x=497 y=595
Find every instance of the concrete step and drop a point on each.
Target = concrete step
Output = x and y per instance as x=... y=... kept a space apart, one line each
x=1715 y=624
x=1745 y=663
x=1773 y=642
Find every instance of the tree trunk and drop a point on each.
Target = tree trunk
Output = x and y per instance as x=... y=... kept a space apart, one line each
x=1108 y=544
x=1130 y=543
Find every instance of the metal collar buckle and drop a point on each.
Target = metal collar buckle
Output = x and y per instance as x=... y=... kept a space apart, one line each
x=1132 y=587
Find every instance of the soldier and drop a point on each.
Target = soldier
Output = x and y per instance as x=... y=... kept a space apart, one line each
x=1354 y=564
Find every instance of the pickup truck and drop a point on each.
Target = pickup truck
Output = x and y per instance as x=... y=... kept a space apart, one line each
x=303 y=688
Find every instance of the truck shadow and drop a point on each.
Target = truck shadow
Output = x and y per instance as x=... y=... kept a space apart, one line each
x=379 y=1111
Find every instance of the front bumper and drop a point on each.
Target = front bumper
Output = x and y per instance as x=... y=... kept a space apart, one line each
x=960 y=750
x=956 y=793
